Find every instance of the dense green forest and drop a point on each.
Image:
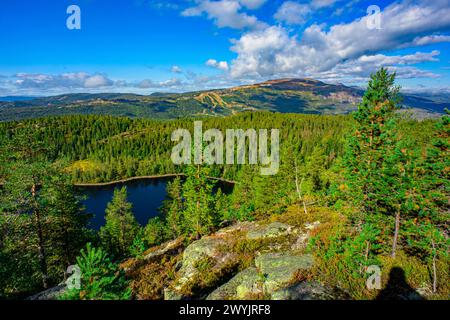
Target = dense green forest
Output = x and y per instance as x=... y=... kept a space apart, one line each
x=379 y=180
x=99 y=149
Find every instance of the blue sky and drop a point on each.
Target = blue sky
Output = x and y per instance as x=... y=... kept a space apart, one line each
x=145 y=46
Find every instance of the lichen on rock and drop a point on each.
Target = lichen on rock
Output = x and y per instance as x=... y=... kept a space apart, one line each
x=272 y=230
x=279 y=269
x=245 y=283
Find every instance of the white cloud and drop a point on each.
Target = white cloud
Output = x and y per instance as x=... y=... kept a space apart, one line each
x=322 y=3
x=226 y=13
x=292 y=12
x=75 y=80
x=150 y=84
x=252 y=4
x=192 y=12
x=176 y=69
x=97 y=81
x=359 y=69
x=222 y=65
x=422 y=41
x=380 y=60
x=275 y=52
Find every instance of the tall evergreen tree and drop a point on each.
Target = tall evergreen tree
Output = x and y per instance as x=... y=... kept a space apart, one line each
x=34 y=206
x=173 y=208
x=375 y=175
x=372 y=142
x=121 y=227
x=199 y=213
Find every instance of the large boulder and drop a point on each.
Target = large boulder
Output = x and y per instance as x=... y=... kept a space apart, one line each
x=208 y=253
x=50 y=294
x=309 y=291
x=279 y=269
x=273 y=271
x=204 y=248
x=208 y=261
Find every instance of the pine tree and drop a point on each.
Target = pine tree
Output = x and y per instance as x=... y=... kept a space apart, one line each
x=428 y=224
x=199 y=215
x=41 y=222
x=173 y=208
x=101 y=279
x=121 y=226
x=69 y=229
x=244 y=193
x=155 y=231
x=372 y=142
x=375 y=166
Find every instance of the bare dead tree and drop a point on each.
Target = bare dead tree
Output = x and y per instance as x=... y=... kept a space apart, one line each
x=434 y=267
x=299 y=188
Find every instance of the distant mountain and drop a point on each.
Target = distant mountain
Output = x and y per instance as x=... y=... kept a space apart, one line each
x=283 y=95
x=16 y=98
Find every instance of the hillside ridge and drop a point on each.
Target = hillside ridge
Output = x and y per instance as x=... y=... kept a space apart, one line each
x=289 y=95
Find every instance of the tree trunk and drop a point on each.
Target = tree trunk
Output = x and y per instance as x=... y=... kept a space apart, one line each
x=67 y=247
x=299 y=188
x=42 y=255
x=434 y=268
x=397 y=228
x=122 y=246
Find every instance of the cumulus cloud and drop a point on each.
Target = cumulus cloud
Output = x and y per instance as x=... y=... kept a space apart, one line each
x=227 y=13
x=78 y=80
x=221 y=65
x=292 y=12
x=53 y=84
x=97 y=81
x=274 y=51
x=358 y=70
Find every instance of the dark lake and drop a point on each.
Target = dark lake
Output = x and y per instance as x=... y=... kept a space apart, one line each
x=146 y=195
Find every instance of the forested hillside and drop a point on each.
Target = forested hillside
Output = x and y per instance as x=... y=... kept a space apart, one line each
x=305 y=96
x=101 y=149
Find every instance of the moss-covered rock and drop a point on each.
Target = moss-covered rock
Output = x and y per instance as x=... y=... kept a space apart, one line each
x=170 y=294
x=245 y=284
x=273 y=271
x=50 y=294
x=272 y=230
x=195 y=253
x=204 y=265
x=280 y=269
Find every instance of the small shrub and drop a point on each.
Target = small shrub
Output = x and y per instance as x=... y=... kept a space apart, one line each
x=100 y=278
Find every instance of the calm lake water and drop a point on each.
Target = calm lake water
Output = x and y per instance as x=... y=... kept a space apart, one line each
x=146 y=195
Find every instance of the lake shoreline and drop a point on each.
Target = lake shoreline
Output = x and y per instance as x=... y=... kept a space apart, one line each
x=121 y=181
